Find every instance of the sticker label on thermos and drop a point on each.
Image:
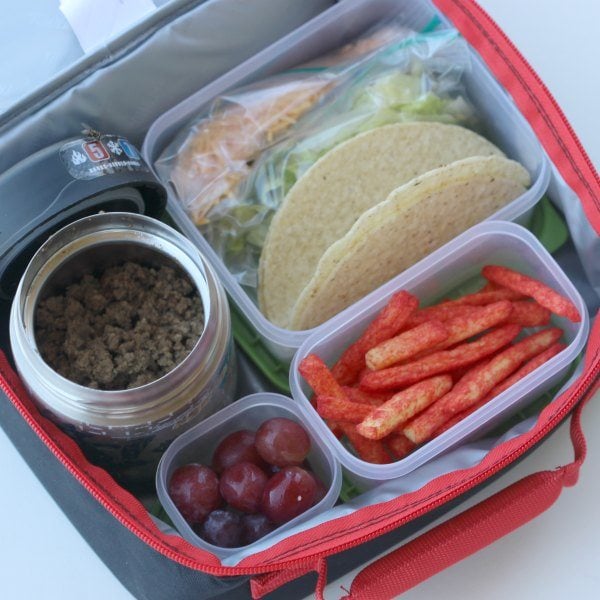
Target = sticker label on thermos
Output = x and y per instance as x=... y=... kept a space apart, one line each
x=93 y=157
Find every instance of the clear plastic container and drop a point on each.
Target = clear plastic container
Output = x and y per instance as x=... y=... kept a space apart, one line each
x=199 y=443
x=454 y=266
x=505 y=125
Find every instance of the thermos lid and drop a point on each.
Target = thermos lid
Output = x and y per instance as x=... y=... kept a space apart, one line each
x=62 y=183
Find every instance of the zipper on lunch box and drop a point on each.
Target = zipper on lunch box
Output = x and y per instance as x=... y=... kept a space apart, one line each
x=234 y=571
x=585 y=386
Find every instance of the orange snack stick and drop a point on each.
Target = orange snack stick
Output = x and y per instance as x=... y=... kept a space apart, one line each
x=528 y=367
x=368 y=450
x=340 y=409
x=489 y=286
x=405 y=345
x=529 y=314
x=484 y=297
x=382 y=420
x=319 y=377
x=438 y=312
x=537 y=290
x=372 y=398
x=452 y=421
x=362 y=373
x=482 y=318
x=477 y=383
x=386 y=324
x=462 y=306
x=399 y=445
x=459 y=373
x=439 y=362
x=335 y=429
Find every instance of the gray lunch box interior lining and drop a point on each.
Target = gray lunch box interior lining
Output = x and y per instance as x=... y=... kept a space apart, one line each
x=129 y=83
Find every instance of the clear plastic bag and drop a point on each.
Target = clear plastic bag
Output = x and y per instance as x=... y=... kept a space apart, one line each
x=233 y=166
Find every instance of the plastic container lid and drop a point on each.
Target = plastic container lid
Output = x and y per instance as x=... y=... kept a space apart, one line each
x=199 y=443
x=455 y=265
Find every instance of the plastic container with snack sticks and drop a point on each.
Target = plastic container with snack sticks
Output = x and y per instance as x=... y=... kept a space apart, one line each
x=454 y=268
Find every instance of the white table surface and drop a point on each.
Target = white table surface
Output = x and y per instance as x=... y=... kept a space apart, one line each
x=557 y=556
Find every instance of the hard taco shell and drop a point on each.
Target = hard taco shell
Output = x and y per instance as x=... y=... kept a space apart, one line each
x=417 y=218
x=327 y=200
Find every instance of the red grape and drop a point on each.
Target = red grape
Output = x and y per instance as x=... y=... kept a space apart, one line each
x=321 y=490
x=194 y=490
x=282 y=442
x=288 y=494
x=255 y=527
x=242 y=486
x=222 y=528
x=235 y=448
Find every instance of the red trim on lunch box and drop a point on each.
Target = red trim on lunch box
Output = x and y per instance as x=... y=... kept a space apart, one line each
x=299 y=552
x=333 y=536
x=533 y=99
x=96 y=480
x=261 y=585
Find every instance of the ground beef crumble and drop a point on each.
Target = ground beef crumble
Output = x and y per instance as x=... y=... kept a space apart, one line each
x=128 y=326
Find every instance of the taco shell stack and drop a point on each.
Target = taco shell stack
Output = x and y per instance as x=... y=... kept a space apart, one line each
x=372 y=207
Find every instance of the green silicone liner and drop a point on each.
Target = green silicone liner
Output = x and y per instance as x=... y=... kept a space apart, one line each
x=548 y=226
x=274 y=370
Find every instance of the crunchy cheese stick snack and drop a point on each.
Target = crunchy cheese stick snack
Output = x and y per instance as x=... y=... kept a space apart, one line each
x=489 y=286
x=407 y=344
x=529 y=286
x=439 y=362
x=439 y=312
x=487 y=296
x=483 y=317
x=355 y=394
x=320 y=379
x=385 y=325
x=458 y=374
x=477 y=383
x=462 y=306
x=399 y=445
x=528 y=367
x=405 y=404
x=372 y=451
x=529 y=314
x=340 y=409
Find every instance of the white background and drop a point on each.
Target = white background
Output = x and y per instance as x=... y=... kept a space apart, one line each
x=554 y=557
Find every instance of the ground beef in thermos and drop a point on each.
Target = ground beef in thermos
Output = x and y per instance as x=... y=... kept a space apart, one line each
x=120 y=329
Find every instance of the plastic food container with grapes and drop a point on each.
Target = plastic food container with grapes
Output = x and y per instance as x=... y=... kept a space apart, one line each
x=455 y=267
x=198 y=444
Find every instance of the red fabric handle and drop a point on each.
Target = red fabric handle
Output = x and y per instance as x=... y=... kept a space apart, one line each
x=265 y=584
x=472 y=530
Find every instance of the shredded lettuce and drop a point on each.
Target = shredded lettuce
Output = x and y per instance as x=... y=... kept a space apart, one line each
x=238 y=231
